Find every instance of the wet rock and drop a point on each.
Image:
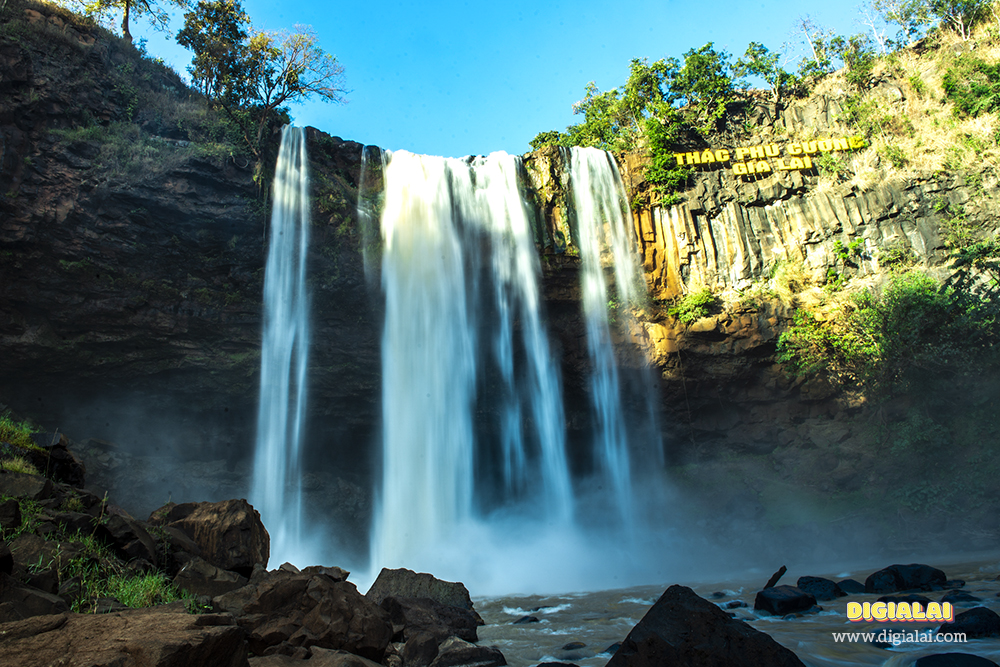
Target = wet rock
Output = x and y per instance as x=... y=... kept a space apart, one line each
x=21 y=485
x=307 y=610
x=413 y=616
x=60 y=464
x=684 y=629
x=959 y=596
x=128 y=537
x=953 y=660
x=976 y=622
x=851 y=586
x=573 y=646
x=735 y=604
x=409 y=584
x=18 y=601
x=456 y=652
x=10 y=515
x=200 y=577
x=6 y=559
x=525 y=619
x=905 y=577
x=820 y=588
x=229 y=534
x=163 y=636
x=781 y=600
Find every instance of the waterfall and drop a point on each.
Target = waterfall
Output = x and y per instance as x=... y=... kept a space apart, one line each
x=276 y=490
x=463 y=327
x=602 y=219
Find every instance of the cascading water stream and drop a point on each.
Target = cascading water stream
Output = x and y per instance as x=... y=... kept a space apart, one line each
x=457 y=245
x=277 y=490
x=601 y=214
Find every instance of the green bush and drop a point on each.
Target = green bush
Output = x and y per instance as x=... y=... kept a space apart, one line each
x=909 y=330
x=973 y=85
x=694 y=306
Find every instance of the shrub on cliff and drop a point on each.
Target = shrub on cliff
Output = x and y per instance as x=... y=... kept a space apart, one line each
x=910 y=329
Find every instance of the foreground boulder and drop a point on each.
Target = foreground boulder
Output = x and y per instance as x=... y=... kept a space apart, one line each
x=684 y=629
x=413 y=616
x=229 y=534
x=409 y=584
x=284 y=610
x=781 y=600
x=905 y=577
x=820 y=588
x=976 y=622
x=165 y=636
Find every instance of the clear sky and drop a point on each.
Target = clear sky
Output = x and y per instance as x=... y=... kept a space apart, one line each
x=457 y=78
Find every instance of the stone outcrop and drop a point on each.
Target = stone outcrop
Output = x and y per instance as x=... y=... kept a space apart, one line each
x=157 y=637
x=684 y=629
x=229 y=534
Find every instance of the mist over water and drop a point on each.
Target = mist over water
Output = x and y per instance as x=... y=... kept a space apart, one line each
x=276 y=490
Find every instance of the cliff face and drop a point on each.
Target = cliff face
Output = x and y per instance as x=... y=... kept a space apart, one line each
x=132 y=254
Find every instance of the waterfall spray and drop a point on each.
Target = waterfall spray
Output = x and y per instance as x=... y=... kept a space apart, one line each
x=277 y=490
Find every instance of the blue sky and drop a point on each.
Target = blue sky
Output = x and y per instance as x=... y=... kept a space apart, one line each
x=457 y=78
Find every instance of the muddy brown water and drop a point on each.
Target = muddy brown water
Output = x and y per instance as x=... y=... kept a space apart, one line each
x=597 y=620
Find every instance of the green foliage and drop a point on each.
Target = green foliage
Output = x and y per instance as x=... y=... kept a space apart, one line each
x=548 y=138
x=104 y=10
x=694 y=306
x=973 y=85
x=858 y=55
x=832 y=165
x=17 y=433
x=888 y=339
x=918 y=85
x=18 y=464
x=252 y=74
x=915 y=16
x=894 y=154
x=704 y=87
x=758 y=61
x=896 y=257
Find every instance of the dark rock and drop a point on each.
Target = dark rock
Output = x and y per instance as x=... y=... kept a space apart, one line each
x=781 y=600
x=557 y=664
x=851 y=586
x=415 y=616
x=820 y=588
x=61 y=464
x=420 y=650
x=21 y=485
x=959 y=596
x=6 y=559
x=45 y=580
x=128 y=537
x=684 y=629
x=229 y=534
x=409 y=584
x=525 y=619
x=953 y=660
x=954 y=583
x=323 y=657
x=74 y=522
x=573 y=646
x=18 y=601
x=976 y=622
x=307 y=610
x=611 y=649
x=456 y=652
x=200 y=577
x=905 y=577
x=164 y=636
x=735 y=604
x=10 y=515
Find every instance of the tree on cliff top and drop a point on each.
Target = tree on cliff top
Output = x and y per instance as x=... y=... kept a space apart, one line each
x=250 y=73
x=153 y=9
